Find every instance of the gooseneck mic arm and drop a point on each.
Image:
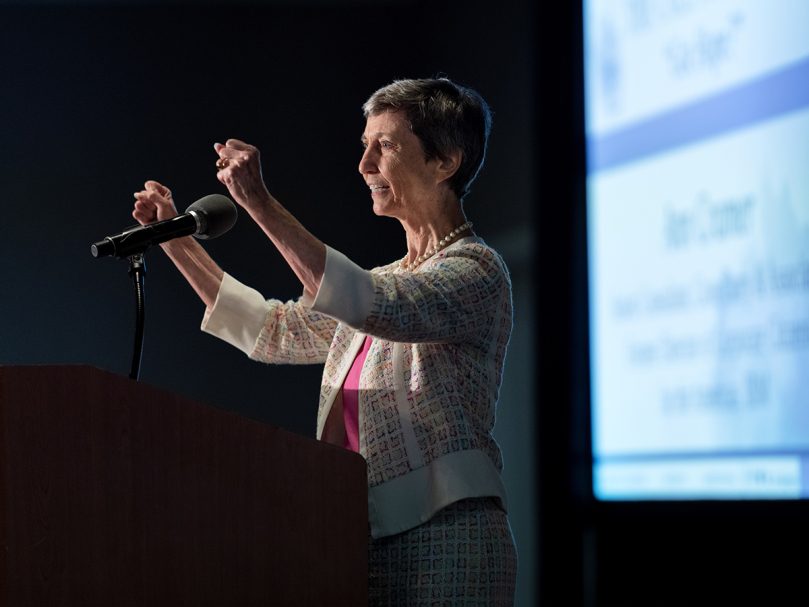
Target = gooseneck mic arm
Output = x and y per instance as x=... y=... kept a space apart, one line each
x=137 y=270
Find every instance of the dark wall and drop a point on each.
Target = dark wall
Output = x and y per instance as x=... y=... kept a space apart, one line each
x=561 y=337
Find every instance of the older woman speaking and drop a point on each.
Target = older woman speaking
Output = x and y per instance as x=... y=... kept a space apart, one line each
x=413 y=350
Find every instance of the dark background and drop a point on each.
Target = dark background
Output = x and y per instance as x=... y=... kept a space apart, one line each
x=100 y=96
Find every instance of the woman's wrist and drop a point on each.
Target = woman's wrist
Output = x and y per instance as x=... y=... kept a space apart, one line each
x=177 y=245
x=261 y=206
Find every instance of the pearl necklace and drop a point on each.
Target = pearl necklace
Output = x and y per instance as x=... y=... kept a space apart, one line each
x=430 y=252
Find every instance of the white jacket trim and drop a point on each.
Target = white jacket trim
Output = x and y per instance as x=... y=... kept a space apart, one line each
x=237 y=316
x=346 y=291
x=408 y=501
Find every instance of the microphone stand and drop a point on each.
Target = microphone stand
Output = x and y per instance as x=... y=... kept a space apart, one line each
x=208 y=217
x=137 y=270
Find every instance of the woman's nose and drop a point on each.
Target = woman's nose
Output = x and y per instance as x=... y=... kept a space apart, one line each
x=368 y=161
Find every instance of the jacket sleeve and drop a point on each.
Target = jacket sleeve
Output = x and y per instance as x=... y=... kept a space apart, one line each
x=270 y=331
x=458 y=295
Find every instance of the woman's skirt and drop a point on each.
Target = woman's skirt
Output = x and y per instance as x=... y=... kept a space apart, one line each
x=464 y=555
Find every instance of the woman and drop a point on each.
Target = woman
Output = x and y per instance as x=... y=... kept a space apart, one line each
x=413 y=351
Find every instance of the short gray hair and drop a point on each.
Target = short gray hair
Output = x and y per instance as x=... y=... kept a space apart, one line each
x=445 y=117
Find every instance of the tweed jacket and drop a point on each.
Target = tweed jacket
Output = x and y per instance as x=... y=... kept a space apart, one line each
x=429 y=386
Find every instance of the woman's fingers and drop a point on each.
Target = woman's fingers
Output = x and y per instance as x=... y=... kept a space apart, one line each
x=156 y=186
x=235 y=149
x=153 y=203
x=239 y=145
x=143 y=212
x=239 y=169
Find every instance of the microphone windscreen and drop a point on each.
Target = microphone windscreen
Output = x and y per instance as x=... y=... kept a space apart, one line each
x=218 y=214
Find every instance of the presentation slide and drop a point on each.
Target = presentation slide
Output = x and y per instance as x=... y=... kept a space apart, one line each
x=697 y=122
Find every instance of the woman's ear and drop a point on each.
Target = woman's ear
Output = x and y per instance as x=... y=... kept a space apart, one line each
x=448 y=165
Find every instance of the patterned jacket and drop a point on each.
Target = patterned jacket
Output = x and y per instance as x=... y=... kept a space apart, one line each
x=429 y=386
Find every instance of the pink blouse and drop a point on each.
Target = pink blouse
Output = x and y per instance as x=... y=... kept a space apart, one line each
x=351 y=400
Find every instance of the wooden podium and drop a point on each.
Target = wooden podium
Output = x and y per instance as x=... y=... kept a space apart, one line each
x=115 y=493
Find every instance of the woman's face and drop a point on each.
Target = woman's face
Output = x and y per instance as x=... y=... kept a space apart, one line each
x=393 y=165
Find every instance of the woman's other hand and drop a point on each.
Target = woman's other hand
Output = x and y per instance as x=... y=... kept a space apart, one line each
x=239 y=169
x=153 y=203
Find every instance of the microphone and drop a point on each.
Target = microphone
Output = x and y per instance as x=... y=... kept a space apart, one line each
x=208 y=217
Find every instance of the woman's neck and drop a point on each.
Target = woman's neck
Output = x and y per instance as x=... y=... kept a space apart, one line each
x=428 y=234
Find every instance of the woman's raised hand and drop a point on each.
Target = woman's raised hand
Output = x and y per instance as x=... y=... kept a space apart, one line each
x=239 y=169
x=153 y=203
